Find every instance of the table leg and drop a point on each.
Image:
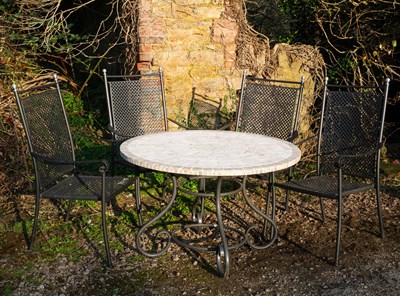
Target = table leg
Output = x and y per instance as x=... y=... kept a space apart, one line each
x=222 y=250
x=266 y=218
x=160 y=233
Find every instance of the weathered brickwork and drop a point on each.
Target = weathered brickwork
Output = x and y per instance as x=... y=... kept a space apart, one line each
x=195 y=42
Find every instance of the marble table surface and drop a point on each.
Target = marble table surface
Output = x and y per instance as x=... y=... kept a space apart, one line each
x=210 y=153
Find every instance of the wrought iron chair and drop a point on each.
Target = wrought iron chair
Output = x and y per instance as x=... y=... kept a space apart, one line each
x=348 y=149
x=52 y=149
x=136 y=106
x=269 y=107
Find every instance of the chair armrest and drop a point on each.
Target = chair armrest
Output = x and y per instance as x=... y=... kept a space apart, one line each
x=305 y=140
x=341 y=158
x=104 y=163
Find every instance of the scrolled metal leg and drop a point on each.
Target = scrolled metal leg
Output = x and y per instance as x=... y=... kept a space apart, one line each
x=222 y=250
x=274 y=230
x=198 y=216
x=161 y=232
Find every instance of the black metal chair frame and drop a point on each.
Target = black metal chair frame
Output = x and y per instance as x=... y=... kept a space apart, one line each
x=136 y=106
x=270 y=107
x=344 y=163
x=52 y=149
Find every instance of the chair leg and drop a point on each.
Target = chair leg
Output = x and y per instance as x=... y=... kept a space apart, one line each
x=287 y=200
x=66 y=218
x=287 y=191
x=138 y=200
x=379 y=208
x=273 y=201
x=105 y=236
x=339 y=230
x=35 y=222
x=321 y=204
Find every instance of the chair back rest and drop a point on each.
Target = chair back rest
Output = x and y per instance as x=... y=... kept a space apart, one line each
x=136 y=104
x=352 y=119
x=269 y=107
x=45 y=122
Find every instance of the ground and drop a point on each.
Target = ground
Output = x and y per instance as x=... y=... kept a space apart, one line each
x=298 y=263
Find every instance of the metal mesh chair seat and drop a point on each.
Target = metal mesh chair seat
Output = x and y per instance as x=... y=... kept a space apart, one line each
x=52 y=149
x=81 y=187
x=325 y=186
x=136 y=106
x=348 y=149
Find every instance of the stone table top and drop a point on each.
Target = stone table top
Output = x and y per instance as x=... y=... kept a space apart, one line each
x=210 y=153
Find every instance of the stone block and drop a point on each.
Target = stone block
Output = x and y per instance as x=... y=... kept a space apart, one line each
x=224 y=31
x=145 y=57
x=189 y=39
x=208 y=12
x=151 y=40
x=206 y=57
x=162 y=10
x=145 y=66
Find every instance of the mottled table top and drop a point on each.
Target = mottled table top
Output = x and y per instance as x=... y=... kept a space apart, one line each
x=210 y=153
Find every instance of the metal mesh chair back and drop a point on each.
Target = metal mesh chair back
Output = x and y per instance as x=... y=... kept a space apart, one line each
x=136 y=104
x=352 y=124
x=269 y=107
x=47 y=130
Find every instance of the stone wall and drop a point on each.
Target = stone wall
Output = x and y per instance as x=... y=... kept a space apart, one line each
x=194 y=42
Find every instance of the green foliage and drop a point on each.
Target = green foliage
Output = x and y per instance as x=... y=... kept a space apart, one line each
x=288 y=21
x=6 y=5
x=76 y=115
x=344 y=65
x=156 y=178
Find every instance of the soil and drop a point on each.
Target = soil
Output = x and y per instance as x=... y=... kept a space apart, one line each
x=298 y=263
